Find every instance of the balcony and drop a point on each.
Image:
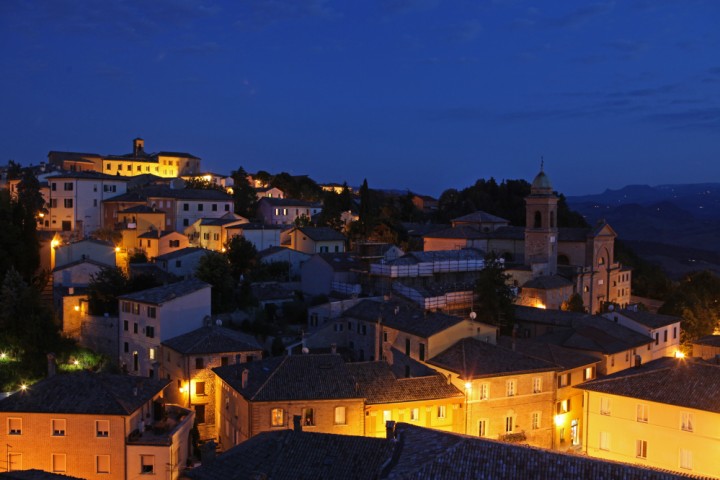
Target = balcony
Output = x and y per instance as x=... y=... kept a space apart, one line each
x=162 y=432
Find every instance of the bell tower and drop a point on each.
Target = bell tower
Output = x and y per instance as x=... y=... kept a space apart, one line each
x=541 y=232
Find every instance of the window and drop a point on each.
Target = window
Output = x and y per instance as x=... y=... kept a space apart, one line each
x=441 y=411
x=563 y=406
x=53 y=187
x=227 y=207
x=199 y=363
x=14 y=461
x=125 y=322
x=126 y=347
x=686 y=421
x=102 y=428
x=200 y=207
x=206 y=236
x=686 y=459
x=484 y=391
x=59 y=463
x=186 y=222
x=589 y=373
x=537 y=385
x=414 y=414
x=136 y=309
x=422 y=352
x=657 y=338
x=277 y=417
x=665 y=335
x=147 y=463
x=68 y=187
x=150 y=331
x=53 y=203
x=604 y=441
x=199 y=388
x=563 y=380
x=642 y=413
x=186 y=207
x=216 y=236
x=604 y=406
x=340 y=416
x=511 y=388
x=135 y=327
x=151 y=312
x=58 y=427
x=641 y=448
x=535 y=420
x=151 y=354
x=68 y=202
x=102 y=464
x=407 y=346
x=14 y=426
x=174 y=243
x=308 y=417
x=509 y=424
x=224 y=361
x=387 y=416
x=482 y=428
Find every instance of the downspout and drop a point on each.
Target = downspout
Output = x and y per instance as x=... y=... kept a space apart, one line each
x=586 y=397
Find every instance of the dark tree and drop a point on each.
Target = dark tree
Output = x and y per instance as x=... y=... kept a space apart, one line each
x=573 y=304
x=696 y=298
x=244 y=195
x=103 y=290
x=495 y=298
x=214 y=268
x=242 y=256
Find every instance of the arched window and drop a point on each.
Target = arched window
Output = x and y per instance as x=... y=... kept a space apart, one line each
x=538 y=220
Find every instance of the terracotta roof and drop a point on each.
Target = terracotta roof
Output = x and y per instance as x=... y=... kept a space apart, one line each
x=81 y=261
x=214 y=339
x=157 y=233
x=471 y=358
x=673 y=381
x=33 y=474
x=290 y=455
x=379 y=385
x=562 y=357
x=88 y=175
x=651 y=320
x=165 y=293
x=710 y=340
x=403 y=316
x=85 y=393
x=176 y=154
x=292 y=377
x=480 y=217
x=141 y=209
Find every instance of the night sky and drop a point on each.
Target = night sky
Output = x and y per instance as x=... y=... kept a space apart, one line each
x=411 y=94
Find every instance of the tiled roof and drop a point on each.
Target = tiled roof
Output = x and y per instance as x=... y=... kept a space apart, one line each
x=165 y=293
x=461 y=231
x=402 y=316
x=140 y=209
x=287 y=202
x=322 y=234
x=176 y=154
x=341 y=262
x=180 y=253
x=85 y=393
x=562 y=357
x=290 y=455
x=214 y=339
x=378 y=385
x=292 y=377
x=157 y=233
x=33 y=474
x=710 y=340
x=506 y=233
x=480 y=217
x=431 y=454
x=79 y=154
x=471 y=358
x=87 y=175
x=548 y=282
x=81 y=261
x=651 y=320
x=673 y=381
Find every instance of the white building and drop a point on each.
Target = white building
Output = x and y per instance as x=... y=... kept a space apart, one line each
x=151 y=316
x=664 y=329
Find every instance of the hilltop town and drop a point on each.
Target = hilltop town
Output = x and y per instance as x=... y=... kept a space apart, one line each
x=159 y=319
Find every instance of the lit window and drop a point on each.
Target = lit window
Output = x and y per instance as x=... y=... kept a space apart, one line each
x=151 y=353
x=511 y=388
x=686 y=459
x=414 y=414
x=59 y=462
x=537 y=384
x=387 y=416
x=58 y=427
x=642 y=413
x=147 y=463
x=641 y=449
x=102 y=428
x=199 y=388
x=441 y=411
x=686 y=421
x=509 y=424
x=604 y=441
x=604 y=406
x=563 y=406
x=14 y=426
x=535 y=420
x=308 y=417
x=340 y=416
x=277 y=417
x=102 y=464
x=589 y=373
x=484 y=391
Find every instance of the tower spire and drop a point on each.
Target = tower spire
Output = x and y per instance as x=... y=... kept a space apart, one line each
x=542 y=163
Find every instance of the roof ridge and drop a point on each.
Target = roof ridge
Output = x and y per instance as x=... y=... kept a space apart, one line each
x=275 y=370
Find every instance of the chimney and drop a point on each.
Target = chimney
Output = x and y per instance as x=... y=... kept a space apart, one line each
x=449 y=379
x=51 y=364
x=390 y=430
x=333 y=348
x=245 y=374
x=297 y=424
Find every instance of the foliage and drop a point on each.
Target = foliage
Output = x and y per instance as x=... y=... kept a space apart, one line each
x=244 y=195
x=573 y=304
x=696 y=298
x=277 y=348
x=495 y=298
x=199 y=183
x=214 y=268
x=103 y=290
x=334 y=205
x=138 y=256
x=108 y=235
x=242 y=256
x=648 y=279
x=271 y=272
x=300 y=187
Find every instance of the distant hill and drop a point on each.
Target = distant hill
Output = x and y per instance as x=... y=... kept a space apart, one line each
x=657 y=220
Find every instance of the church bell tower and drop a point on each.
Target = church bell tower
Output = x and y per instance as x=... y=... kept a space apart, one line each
x=541 y=232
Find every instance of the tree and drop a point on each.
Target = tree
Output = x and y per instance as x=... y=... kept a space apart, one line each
x=495 y=298
x=573 y=304
x=242 y=256
x=214 y=268
x=696 y=298
x=103 y=290
x=138 y=256
x=244 y=195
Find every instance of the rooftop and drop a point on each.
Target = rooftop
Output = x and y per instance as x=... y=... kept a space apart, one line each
x=321 y=234
x=650 y=320
x=214 y=339
x=85 y=393
x=180 y=253
x=165 y=293
x=480 y=217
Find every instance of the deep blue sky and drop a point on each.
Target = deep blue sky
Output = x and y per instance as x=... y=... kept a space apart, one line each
x=410 y=94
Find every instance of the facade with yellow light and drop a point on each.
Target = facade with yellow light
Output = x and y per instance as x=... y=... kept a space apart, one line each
x=663 y=415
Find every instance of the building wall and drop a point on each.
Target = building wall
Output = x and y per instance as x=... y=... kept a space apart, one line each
x=80 y=444
x=663 y=433
x=428 y=415
x=79 y=202
x=667 y=339
x=324 y=412
x=183 y=266
x=316 y=277
x=76 y=276
x=188 y=212
x=569 y=418
x=73 y=252
x=261 y=238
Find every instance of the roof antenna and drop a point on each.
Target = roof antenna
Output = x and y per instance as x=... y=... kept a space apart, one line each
x=542 y=163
